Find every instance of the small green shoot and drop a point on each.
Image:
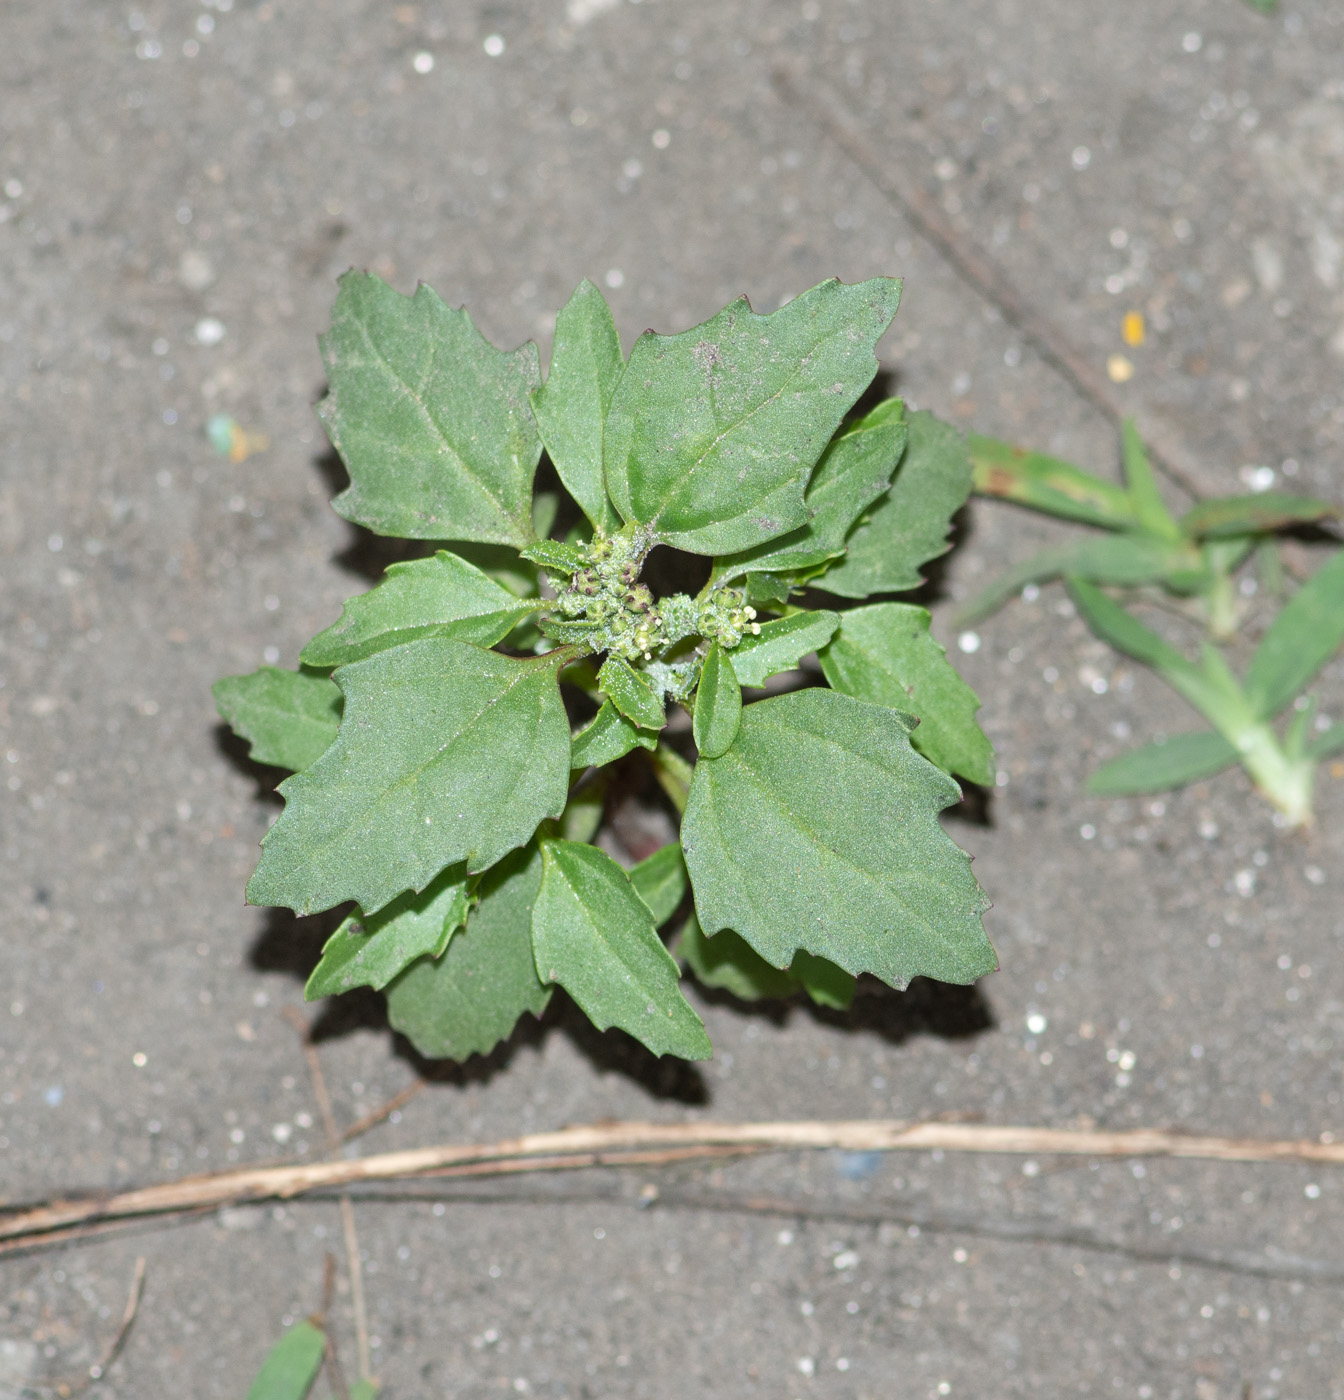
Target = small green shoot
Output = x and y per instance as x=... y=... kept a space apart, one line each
x=1303 y=637
x=1194 y=555
x=447 y=733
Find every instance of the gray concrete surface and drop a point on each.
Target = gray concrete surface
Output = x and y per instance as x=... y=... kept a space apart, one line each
x=170 y=164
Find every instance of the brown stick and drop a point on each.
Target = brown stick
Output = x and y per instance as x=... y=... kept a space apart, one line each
x=972 y=266
x=863 y=1135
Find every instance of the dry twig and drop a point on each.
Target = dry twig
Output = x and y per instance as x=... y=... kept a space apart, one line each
x=613 y=1143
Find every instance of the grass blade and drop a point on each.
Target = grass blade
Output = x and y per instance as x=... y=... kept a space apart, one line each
x=1146 y=500
x=292 y=1365
x=1304 y=636
x=1184 y=758
x=1253 y=515
x=1047 y=484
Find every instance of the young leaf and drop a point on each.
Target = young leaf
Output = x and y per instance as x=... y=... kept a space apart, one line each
x=556 y=557
x=818 y=829
x=364 y=1390
x=1253 y=515
x=288 y=717
x=433 y=423
x=1327 y=744
x=1150 y=512
x=441 y=597
x=369 y=952
x=727 y=963
x=854 y=471
x=447 y=752
x=910 y=524
x=595 y=936
x=712 y=434
x=1124 y=560
x=571 y=406
x=1181 y=759
x=607 y=737
x=660 y=881
x=631 y=694
x=1304 y=636
x=825 y=983
x=292 y=1364
x=718 y=704
x=1049 y=485
x=780 y=645
x=886 y=655
x=470 y=999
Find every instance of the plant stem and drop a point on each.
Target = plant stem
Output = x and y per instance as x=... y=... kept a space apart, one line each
x=1286 y=783
x=674 y=775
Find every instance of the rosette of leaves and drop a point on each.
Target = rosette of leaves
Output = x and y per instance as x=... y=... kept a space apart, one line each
x=447 y=733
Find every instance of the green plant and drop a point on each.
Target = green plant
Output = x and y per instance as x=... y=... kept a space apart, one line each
x=437 y=783
x=1194 y=556
x=292 y=1365
x=1302 y=638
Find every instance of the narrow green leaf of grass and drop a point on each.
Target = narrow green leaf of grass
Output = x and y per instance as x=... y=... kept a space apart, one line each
x=1047 y=484
x=1181 y=759
x=1150 y=511
x=1305 y=635
x=1253 y=515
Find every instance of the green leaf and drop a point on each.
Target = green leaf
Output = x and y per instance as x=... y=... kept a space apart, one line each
x=556 y=557
x=1253 y=515
x=727 y=963
x=818 y=829
x=825 y=983
x=660 y=881
x=632 y=695
x=505 y=565
x=1109 y=621
x=433 y=423
x=910 y=524
x=718 y=704
x=1305 y=635
x=1150 y=512
x=595 y=936
x=439 y=597
x=288 y=717
x=1331 y=742
x=780 y=645
x=447 y=752
x=713 y=433
x=1048 y=484
x=572 y=405
x=1124 y=560
x=585 y=809
x=292 y=1364
x=1181 y=759
x=607 y=737
x=854 y=471
x=364 y=1390
x=470 y=999
x=886 y=655
x=369 y=952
